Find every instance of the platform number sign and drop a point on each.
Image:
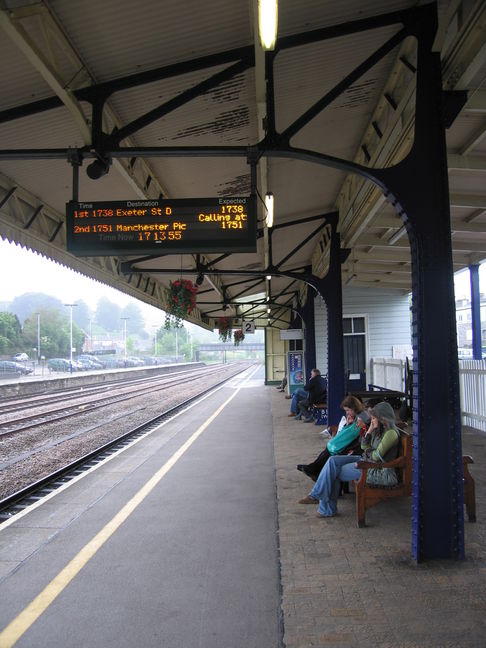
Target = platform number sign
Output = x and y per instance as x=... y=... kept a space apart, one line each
x=248 y=327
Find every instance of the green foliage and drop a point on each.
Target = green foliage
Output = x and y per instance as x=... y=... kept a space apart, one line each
x=108 y=315
x=24 y=305
x=10 y=333
x=135 y=321
x=54 y=333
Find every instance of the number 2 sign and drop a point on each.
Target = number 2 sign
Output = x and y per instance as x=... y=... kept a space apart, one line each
x=248 y=327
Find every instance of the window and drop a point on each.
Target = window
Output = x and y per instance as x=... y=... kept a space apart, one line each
x=353 y=325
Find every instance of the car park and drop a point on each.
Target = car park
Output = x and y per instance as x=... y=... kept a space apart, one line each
x=88 y=364
x=8 y=366
x=20 y=357
x=59 y=364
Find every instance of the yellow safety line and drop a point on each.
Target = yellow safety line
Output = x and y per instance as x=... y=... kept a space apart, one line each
x=16 y=628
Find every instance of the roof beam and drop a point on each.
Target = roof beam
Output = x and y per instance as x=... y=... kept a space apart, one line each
x=463 y=161
x=473 y=201
x=12 y=27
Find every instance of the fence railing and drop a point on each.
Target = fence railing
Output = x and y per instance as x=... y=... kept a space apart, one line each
x=472 y=381
x=390 y=373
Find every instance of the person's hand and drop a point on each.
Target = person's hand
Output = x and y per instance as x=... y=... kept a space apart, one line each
x=372 y=426
x=349 y=418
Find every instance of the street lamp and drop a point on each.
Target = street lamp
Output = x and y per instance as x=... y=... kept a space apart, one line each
x=71 y=336
x=38 y=337
x=156 y=327
x=125 y=339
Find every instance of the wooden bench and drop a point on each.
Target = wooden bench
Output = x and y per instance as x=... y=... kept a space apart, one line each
x=368 y=495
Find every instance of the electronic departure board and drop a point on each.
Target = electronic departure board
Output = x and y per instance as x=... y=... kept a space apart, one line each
x=161 y=226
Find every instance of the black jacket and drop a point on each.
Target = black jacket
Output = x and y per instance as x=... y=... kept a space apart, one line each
x=317 y=388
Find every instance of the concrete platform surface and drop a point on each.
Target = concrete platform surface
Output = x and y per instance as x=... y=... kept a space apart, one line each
x=349 y=587
x=220 y=554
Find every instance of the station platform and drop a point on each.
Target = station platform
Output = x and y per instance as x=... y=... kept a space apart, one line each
x=193 y=536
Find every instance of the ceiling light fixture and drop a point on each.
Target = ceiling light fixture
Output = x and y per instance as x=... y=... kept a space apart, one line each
x=269 y=277
x=268 y=23
x=200 y=279
x=269 y=205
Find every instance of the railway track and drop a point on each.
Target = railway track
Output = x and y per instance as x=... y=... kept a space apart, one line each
x=89 y=400
x=32 y=492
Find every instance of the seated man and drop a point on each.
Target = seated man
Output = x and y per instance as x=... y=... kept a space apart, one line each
x=283 y=384
x=313 y=392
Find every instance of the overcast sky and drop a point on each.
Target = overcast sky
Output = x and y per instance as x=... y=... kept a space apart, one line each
x=24 y=271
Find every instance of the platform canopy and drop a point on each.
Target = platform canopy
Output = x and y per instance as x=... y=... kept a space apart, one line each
x=151 y=101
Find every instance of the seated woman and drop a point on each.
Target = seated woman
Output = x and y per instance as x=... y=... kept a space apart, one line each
x=351 y=428
x=379 y=444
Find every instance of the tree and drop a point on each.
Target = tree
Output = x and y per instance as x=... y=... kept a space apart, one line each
x=82 y=315
x=24 y=305
x=54 y=333
x=135 y=321
x=10 y=333
x=108 y=315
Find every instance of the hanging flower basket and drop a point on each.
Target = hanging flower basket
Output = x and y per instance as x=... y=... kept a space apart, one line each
x=238 y=337
x=224 y=329
x=181 y=301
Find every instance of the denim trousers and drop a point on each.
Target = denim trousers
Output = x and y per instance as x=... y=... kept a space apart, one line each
x=297 y=396
x=337 y=468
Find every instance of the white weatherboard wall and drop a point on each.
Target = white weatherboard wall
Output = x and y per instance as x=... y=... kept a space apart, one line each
x=388 y=322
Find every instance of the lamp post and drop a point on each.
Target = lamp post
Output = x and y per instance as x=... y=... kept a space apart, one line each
x=125 y=339
x=70 y=336
x=38 y=338
x=177 y=346
x=156 y=327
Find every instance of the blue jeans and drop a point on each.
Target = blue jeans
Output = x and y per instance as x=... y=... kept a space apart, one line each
x=337 y=468
x=297 y=396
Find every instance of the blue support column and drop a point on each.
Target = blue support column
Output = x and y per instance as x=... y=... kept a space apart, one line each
x=307 y=314
x=419 y=185
x=476 y=312
x=331 y=290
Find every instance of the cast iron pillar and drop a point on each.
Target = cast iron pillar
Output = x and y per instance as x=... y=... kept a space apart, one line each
x=419 y=185
x=476 y=312
x=307 y=314
x=331 y=290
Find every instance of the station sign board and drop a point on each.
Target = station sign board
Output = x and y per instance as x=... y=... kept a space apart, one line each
x=248 y=327
x=133 y=227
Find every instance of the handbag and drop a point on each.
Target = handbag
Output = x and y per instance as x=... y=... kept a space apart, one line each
x=347 y=435
x=382 y=477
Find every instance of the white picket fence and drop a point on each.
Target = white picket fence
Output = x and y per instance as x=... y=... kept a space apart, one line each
x=390 y=373
x=472 y=381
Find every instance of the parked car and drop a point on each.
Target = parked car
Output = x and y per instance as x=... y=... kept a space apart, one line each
x=134 y=362
x=8 y=366
x=59 y=364
x=20 y=357
x=89 y=363
x=113 y=363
